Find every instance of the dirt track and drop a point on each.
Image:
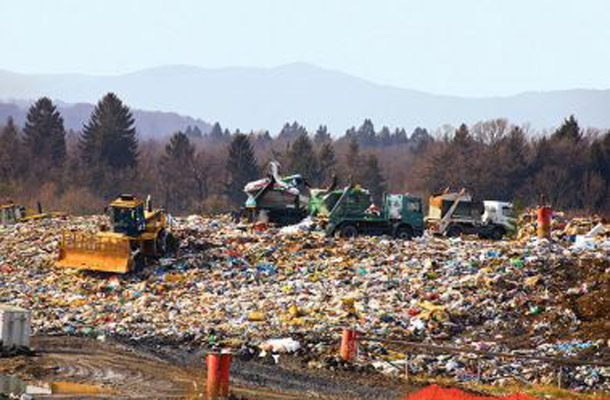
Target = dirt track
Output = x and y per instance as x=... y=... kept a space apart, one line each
x=123 y=371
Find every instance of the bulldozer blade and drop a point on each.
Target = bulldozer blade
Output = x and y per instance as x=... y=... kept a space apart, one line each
x=94 y=253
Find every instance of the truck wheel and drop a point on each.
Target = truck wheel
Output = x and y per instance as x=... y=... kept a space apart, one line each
x=161 y=243
x=171 y=245
x=404 y=232
x=138 y=262
x=349 y=231
x=497 y=233
x=454 y=231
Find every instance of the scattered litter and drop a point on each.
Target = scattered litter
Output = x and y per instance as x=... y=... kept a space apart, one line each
x=286 y=345
x=537 y=297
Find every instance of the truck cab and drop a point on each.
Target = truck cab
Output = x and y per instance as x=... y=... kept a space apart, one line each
x=500 y=213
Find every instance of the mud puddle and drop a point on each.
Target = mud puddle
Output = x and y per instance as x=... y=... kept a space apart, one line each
x=68 y=367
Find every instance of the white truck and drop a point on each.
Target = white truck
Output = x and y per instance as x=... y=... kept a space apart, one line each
x=456 y=213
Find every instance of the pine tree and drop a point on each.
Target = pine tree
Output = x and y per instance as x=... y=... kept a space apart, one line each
x=196 y=133
x=44 y=135
x=327 y=163
x=463 y=155
x=321 y=136
x=366 y=134
x=216 y=133
x=177 y=170
x=302 y=159
x=292 y=131
x=399 y=136
x=600 y=156
x=420 y=138
x=569 y=130
x=241 y=168
x=263 y=138
x=385 y=137
x=462 y=136
x=109 y=138
x=373 y=180
x=10 y=152
x=353 y=161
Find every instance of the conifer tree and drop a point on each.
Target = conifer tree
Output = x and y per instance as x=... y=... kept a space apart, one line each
x=321 y=136
x=373 y=179
x=302 y=159
x=10 y=152
x=366 y=134
x=569 y=130
x=399 y=136
x=327 y=163
x=420 y=138
x=292 y=131
x=353 y=161
x=241 y=168
x=177 y=169
x=462 y=136
x=216 y=134
x=109 y=138
x=196 y=132
x=385 y=137
x=44 y=135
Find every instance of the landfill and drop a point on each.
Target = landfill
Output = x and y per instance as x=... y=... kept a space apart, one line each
x=294 y=292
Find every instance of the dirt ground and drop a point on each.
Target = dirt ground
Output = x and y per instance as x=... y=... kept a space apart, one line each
x=122 y=371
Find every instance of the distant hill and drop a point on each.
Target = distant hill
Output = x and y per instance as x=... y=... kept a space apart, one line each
x=149 y=124
x=255 y=98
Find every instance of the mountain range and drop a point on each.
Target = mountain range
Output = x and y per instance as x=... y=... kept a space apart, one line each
x=266 y=98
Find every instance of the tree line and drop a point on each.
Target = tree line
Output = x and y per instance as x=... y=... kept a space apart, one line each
x=195 y=171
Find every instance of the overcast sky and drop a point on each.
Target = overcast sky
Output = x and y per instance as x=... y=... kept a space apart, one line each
x=465 y=47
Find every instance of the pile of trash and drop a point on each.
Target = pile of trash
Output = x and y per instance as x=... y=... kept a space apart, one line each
x=242 y=288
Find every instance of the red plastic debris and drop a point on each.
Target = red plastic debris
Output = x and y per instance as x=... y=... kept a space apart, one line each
x=435 y=392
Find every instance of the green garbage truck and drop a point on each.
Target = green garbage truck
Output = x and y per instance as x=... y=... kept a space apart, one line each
x=351 y=212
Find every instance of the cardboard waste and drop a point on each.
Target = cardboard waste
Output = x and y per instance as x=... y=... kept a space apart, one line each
x=531 y=296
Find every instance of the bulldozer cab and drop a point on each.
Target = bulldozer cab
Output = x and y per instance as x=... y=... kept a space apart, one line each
x=127 y=216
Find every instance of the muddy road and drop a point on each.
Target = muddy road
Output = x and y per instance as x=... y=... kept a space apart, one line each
x=118 y=370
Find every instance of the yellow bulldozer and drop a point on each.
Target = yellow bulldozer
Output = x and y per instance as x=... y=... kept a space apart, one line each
x=137 y=234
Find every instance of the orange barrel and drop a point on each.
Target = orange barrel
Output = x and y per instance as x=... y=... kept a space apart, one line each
x=225 y=366
x=545 y=215
x=349 y=345
x=213 y=362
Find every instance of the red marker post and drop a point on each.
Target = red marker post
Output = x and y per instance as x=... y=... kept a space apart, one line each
x=225 y=366
x=544 y=217
x=213 y=383
x=218 y=366
x=349 y=345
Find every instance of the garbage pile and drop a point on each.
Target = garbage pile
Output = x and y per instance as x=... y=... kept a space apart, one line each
x=243 y=288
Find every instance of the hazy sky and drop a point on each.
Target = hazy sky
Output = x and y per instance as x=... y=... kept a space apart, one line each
x=463 y=47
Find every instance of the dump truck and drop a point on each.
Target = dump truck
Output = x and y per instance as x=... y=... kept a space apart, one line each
x=456 y=213
x=137 y=234
x=353 y=213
